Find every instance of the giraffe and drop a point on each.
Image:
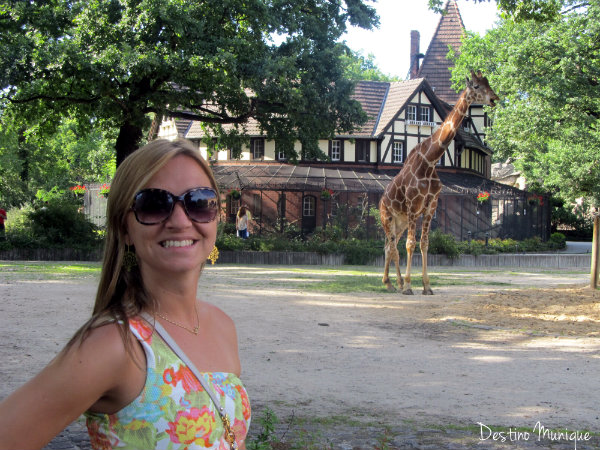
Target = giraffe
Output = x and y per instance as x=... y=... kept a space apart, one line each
x=416 y=188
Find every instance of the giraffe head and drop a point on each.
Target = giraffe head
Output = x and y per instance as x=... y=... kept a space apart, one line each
x=479 y=90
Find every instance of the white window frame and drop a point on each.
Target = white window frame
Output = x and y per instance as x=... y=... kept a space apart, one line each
x=398 y=152
x=336 y=150
x=411 y=112
x=425 y=114
x=308 y=206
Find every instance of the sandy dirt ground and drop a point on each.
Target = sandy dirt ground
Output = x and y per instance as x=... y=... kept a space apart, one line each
x=496 y=347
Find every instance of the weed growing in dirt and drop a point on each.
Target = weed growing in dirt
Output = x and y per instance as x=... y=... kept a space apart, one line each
x=50 y=270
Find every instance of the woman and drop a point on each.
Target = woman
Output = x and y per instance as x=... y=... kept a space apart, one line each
x=241 y=222
x=134 y=390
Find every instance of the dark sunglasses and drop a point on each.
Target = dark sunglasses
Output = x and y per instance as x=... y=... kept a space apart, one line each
x=154 y=206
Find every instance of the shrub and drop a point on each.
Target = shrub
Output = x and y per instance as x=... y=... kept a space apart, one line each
x=227 y=228
x=360 y=252
x=60 y=224
x=443 y=244
x=472 y=248
x=230 y=242
x=557 y=241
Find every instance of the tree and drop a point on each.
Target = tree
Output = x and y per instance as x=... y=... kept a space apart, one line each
x=538 y=10
x=548 y=75
x=36 y=158
x=359 y=67
x=215 y=61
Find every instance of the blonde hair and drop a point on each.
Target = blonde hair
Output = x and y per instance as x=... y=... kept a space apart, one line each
x=121 y=293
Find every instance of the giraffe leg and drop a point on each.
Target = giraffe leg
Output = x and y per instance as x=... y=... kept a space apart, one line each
x=390 y=248
x=425 y=247
x=396 y=256
x=390 y=244
x=410 y=249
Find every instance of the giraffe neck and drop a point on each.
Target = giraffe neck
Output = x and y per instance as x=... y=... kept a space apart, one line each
x=441 y=139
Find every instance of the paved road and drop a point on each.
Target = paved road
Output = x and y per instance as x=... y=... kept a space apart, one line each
x=578 y=247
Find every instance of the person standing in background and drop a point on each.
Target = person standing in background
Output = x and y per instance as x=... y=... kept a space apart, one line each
x=241 y=222
x=2 y=219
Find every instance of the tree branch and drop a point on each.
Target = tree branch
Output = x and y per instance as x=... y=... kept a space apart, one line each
x=52 y=99
x=210 y=118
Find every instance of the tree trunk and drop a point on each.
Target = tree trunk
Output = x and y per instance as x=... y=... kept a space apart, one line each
x=128 y=141
x=23 y=154
x=595 y=252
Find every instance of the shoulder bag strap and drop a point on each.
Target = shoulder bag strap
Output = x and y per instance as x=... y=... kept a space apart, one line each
x=229 y=434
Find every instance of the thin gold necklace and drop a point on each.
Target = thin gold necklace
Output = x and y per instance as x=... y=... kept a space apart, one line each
x=194 y=330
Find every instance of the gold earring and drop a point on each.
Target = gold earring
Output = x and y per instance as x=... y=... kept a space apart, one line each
x=129 y=259
x=214 y=255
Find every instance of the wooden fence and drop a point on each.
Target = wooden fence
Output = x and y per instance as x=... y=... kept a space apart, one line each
x=50 y=254
x=524 y=260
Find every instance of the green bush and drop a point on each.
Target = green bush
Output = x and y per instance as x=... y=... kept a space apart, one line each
x=231 y=242
x=60 y=224
x=443 y=244
x=360 y=252
x=226 y=228
x=557 y=241
x=472 y=248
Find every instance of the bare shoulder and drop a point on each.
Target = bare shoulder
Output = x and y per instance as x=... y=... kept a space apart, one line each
x=102 y=354
x=103 y=341
x=218 y=317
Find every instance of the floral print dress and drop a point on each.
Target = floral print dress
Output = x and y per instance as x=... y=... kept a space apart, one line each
x=173 y=412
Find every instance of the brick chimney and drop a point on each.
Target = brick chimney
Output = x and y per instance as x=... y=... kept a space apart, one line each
x=415 y=54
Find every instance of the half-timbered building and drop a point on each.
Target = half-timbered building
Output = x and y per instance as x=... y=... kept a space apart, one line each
x=359 y=166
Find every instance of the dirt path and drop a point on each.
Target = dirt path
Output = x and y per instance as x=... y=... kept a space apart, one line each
x=496 y=347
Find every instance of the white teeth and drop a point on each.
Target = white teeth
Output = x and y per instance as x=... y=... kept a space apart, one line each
x=168 y=244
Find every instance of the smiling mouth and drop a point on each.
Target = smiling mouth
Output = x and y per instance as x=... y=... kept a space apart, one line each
x=185 y=243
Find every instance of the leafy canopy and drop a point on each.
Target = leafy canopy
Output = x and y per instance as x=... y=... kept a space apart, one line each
x=548 y=74
x=538 y=10
x=217 y=61
x=37 y=158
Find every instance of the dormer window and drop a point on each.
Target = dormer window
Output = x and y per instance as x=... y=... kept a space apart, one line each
x=425 y=114
x=411 y=112
x=419 y=115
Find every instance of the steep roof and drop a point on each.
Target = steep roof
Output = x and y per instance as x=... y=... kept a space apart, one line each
x=372 y=96
x=435 y=66
x=381 y=101
x=400 y=92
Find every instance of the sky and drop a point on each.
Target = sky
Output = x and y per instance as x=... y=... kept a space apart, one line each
x=390 y=43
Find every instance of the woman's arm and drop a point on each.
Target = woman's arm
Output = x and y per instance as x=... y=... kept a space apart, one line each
x=72 y=383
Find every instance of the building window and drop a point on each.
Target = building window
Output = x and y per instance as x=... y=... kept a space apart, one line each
x=398 y=152
x=411 y=112
x=281 y=205
x=362 y=150
x=336 y=150
x=308 y=206
x=280 y=154
x=425 y=114
x=234 y=206
x=257 y=147
x=257 y=205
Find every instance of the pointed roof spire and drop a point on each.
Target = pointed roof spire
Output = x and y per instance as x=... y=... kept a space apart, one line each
x=435 y=67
